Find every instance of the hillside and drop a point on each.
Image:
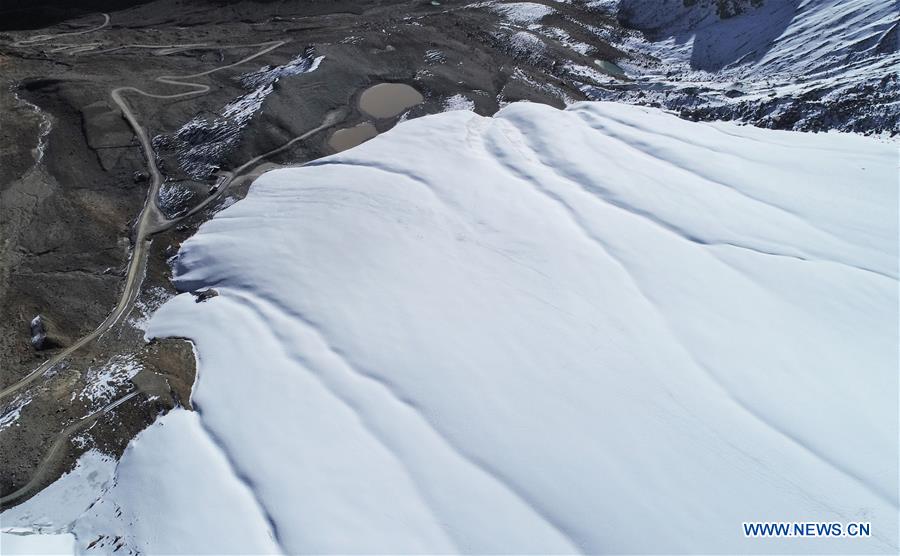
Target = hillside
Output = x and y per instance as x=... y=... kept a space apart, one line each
x=597 y=330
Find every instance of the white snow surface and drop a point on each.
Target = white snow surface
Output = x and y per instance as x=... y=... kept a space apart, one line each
x=599 y=330
x=26 y=544
x=176 y=493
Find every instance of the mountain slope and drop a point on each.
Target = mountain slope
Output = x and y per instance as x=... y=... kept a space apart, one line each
x=794 y=64
x=602 y=330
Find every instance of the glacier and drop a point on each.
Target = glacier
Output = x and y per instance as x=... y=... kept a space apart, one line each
x=602 y=329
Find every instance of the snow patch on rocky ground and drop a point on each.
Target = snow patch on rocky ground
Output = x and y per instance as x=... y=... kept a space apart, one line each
x=105 y=381
x=459 y=102
x=523 y=13
x=152 y=298
x=203 y=142
x=14 y=411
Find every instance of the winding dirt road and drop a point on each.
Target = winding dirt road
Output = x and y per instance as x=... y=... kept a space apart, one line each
x=57 y=444
x=37 y=39
x=151 y=220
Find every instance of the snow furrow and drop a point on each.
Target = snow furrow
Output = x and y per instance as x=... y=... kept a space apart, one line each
x=645 y=150
x=243 y=479
x=533 y=180
x=360 y=401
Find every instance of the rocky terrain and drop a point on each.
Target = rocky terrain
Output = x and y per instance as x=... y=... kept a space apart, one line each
x=806 y=65
x=126 y=124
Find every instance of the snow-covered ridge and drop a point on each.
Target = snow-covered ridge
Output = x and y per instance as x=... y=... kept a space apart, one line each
x=597 y=330
x=787 y=64
x=806 y=37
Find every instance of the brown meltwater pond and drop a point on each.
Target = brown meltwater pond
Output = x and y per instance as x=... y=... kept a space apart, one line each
x=387 y=100
x=343 y=139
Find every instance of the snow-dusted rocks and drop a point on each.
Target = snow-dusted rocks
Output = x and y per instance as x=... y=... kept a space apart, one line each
x=812 y=39
x=787 y=64
x=597 y=330
x=523 y=12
